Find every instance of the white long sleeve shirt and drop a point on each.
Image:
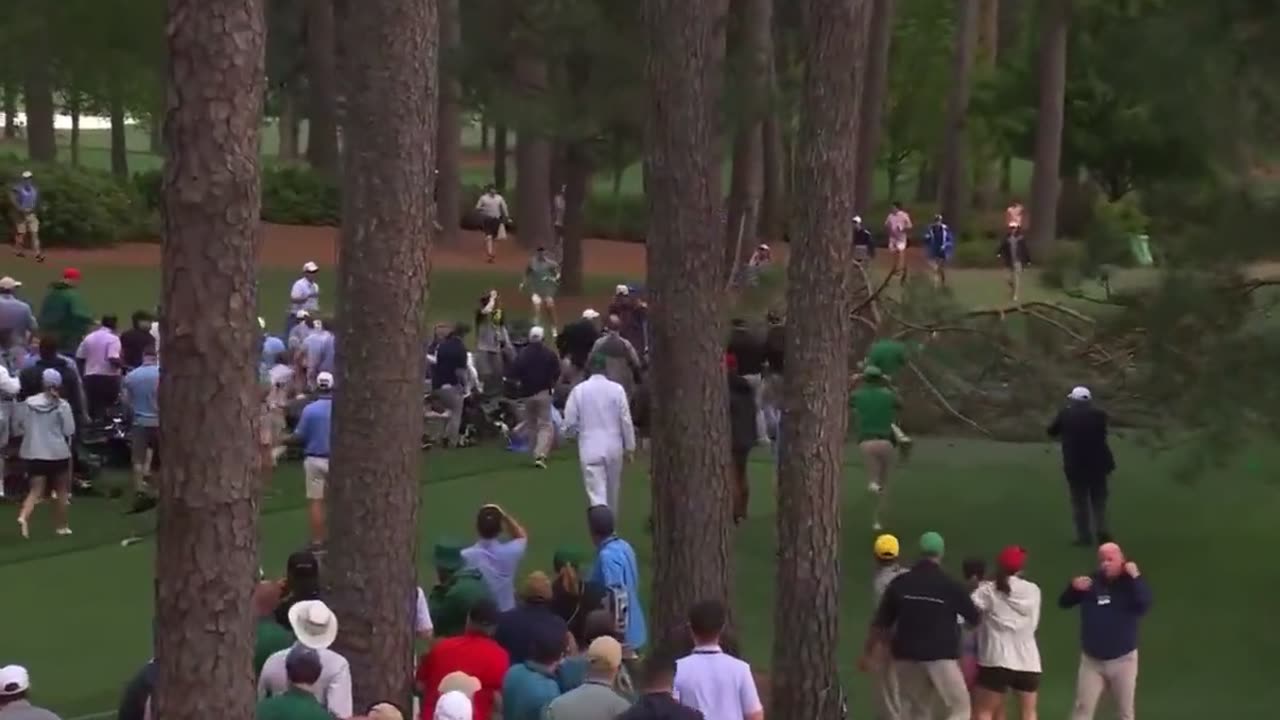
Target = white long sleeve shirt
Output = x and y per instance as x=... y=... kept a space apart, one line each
x=492 y=206
x=333 y=689
x=599 y=414
x=1007 y=632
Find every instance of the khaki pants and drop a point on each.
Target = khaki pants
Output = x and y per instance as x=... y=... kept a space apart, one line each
x=757 y=391
x=537 y=420
x=884 y=686
x=922 y=686
x=1120 y=676
x=878 y=455
x=451 y=397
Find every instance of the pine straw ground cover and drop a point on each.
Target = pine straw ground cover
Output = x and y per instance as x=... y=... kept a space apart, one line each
x=77 y=610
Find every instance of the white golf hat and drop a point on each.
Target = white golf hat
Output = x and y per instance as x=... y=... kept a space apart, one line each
x=857 y=218
x=314 y=624
x=453 y=706
x=537 y=333
x=622 y=290
x=26 y=174
x=324 y=380
x=1080 y=392
x=310 y=267
x=590 y=314
x=8 y=283
x=262 y=324
x=302 y=314
x=13 y=680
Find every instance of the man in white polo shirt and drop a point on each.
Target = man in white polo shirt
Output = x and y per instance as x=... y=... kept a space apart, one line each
x=719 y=686
x=304 y=295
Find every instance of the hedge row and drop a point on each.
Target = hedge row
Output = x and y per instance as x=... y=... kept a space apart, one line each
x=79 y=207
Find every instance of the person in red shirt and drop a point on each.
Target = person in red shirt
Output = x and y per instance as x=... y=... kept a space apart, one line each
x=475 y=653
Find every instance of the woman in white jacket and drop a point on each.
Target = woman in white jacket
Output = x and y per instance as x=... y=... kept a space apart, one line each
x=1008 y=657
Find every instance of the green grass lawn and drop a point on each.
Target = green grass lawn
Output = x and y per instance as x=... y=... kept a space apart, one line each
x=1204 y=548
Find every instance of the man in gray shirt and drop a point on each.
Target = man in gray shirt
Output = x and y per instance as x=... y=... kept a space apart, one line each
x=17 y=322
x=594 y=699
x=15 y=683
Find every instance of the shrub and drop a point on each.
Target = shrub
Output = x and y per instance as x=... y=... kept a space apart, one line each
x=295 y=195
x=976 y=253
x=149 y=184
x=1063 y=265
x=79 y=207
x=603 y=216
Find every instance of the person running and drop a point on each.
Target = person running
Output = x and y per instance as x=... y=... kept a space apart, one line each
x=939 y=244
x=303 y=296
x=26 y=201
x=542 y=280
x=100 y=354
x=450 y=373
x=622 y=361
x=879 y=663
x=1087 y=462
x=917 y=618
x=493 y=217
x=1008 y=656
x=711 y=681
x=1016 y=256
x=535 y=372
x=63 y=313
x=141 y=394
x=616 y=570
x=495 y=558
x=864 y=245
x=599 y=414
x=1112 y=602
x=898 y=224
x=313 y=434
x=875 y=409
x=891 y=357
x=1013 y=215
x=47 y=425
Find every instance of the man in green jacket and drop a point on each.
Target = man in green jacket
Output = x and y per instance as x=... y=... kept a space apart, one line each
x=302 y=665
x=460 y=587
x=890 y=356
x=64 y=314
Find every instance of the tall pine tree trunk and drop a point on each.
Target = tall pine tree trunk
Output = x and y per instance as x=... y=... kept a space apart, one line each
x=533 y=155
x=10 y=100
x=985 y=179
x=807 y=608
x=1055 y=20
x=691 y=520
x=207 y=535
x=73 y=109
x=449 y=129
x=875 y=85
x=119 y=135
x=500 y=155
x=1009 y=36
x=484 y=133
x=322 y=130
x=577 y=183
x=42 y=142
x=390 y=90
x=746 y=184
x=289 y=126
x=953 y=177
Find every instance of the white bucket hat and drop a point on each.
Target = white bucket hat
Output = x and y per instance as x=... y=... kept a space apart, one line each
x=310 y=267
x=590 y=314
x=314 y=624
x=1080 y=393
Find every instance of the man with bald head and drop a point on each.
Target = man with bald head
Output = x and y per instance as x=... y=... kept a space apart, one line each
x=1112 y=602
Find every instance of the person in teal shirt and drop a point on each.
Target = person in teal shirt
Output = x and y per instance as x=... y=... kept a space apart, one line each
x=302 y=665
x=529 y=687
x=875 y=410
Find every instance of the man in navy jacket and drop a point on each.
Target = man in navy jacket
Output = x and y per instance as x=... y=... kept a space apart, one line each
x=1112 y=602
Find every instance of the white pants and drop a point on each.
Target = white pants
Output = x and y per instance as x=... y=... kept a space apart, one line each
x=602 y=478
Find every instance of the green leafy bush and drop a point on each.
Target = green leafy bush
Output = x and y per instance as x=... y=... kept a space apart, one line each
x=79 y=207
x=603 y=216
x=295 y=195
x=1063 y=266
x=976 y=253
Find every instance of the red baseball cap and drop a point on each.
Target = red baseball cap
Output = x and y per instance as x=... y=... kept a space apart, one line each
x=1011 y=559
x=730 y=361
x=71 y=274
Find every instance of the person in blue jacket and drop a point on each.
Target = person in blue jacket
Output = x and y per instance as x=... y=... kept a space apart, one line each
x=939 y=244
x=617 y=571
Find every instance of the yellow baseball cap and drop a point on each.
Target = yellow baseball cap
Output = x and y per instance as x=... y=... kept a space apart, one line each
x=886 y=547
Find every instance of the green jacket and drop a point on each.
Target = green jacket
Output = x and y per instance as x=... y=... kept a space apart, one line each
x=64 y=315
x=452 y=600
x=293 y=705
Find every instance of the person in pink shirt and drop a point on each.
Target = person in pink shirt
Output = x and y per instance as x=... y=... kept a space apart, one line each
x=99 y=354
x=899 y=226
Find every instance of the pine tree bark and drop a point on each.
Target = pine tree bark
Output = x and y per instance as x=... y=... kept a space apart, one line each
x=871 y=110
x=807 y=608
x=985 y=180
x=953 y=177
x=119 y=137
x=500 y=155
x=391 y=93
x=322 y=84
x=1055 y=20
x=73 y=109
x=691 y=559
x=533 y=156
x=449 y=128
x=207 y=535
x=10 y=100
x=746 y=184
x=42 y=143
x=578 y=171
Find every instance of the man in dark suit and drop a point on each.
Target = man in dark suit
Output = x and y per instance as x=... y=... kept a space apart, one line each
x=1087 y=462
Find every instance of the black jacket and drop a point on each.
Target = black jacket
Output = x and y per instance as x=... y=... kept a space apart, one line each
x=659 y=706
x=576 y=340
x=1082 y=428
x=72 y=390
x=536 y=369
x=775 y=345
x=742 y=414
x=921 y=606
x=748 y=349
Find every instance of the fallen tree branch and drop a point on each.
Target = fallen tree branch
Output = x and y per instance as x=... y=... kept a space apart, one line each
x=873 y=298
x=942 y=400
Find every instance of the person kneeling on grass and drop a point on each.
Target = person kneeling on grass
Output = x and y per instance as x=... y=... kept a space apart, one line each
x=875 y=407
x=47 y=425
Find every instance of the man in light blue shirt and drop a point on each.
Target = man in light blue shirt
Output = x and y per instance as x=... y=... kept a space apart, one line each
x=142 y=395
x=616 y=570
x=497 y=560
x=312 y=433
x=318 y=349
x=26 y=199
